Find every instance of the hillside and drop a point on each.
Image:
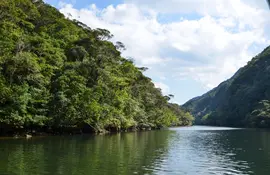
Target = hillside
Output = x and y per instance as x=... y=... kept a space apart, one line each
x=243 y=100
x=58 y=75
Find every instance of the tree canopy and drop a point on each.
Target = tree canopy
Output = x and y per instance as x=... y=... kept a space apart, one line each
x=58 y=73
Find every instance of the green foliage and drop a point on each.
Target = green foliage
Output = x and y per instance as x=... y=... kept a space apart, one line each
x=260 y=116
x=56 y=73
x=243 y=100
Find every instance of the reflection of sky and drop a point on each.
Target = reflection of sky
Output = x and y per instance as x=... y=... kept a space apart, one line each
x=205 y=151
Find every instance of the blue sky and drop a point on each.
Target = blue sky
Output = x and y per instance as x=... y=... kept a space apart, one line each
x=189 y=46
x=84 y=3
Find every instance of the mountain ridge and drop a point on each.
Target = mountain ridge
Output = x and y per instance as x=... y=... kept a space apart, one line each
x=242 y=100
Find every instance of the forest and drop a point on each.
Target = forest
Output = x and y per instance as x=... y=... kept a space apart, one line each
x=59 y=75
x=241 y=101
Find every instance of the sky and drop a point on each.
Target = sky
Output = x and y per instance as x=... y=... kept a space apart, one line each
x=189 y=46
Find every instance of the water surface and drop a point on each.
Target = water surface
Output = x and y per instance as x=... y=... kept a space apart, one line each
x=186 y=150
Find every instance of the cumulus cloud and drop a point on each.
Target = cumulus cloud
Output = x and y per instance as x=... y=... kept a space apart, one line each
x=221 y=36
x=164 y=88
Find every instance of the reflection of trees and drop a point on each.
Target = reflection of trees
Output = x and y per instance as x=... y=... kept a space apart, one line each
x=246 y=151
x=124 y=153
x=253 y=146
x=219 y=152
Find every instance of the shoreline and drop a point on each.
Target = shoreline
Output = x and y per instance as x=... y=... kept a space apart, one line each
x=29 y=135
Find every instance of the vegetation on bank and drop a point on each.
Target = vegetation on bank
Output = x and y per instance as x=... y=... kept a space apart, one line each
x=58 y=74
x=243 y=100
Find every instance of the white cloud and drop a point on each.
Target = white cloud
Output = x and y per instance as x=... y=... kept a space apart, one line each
x=164 y=88
x=209 y=48
x=203 y=7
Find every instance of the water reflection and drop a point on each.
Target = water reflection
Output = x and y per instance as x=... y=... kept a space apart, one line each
x=193 y=150
x=217 y=150
x=130 y=153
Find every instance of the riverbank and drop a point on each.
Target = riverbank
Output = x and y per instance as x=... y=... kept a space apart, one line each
x=26 y=133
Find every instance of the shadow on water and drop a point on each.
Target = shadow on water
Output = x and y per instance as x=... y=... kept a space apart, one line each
x=186 y=150
x=218 y=150
x=126 y=153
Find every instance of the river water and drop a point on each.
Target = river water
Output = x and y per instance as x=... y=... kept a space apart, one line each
x=187 y=150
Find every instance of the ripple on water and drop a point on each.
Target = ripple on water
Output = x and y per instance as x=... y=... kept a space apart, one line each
x=202 y=150
x=187 y=150
x=203 y=128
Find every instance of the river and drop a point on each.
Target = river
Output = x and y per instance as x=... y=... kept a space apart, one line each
x=186 y=150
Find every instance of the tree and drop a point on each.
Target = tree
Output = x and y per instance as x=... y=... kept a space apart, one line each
x=58 y=74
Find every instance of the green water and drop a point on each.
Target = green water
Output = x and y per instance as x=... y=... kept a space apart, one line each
x=189 y=150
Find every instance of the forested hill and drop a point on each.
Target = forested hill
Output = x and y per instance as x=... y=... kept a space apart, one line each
x=57 y=74
x=243 y=100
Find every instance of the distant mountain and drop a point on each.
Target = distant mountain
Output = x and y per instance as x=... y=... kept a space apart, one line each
x=243 y=100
